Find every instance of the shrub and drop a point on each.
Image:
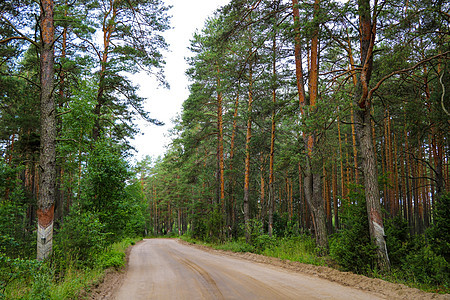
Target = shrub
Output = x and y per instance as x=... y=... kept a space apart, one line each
x=104 y=188
x=440 y=232
x=40 y=288
x=398 y=239
x=80 y=239
x=14 y=241
x=214 y=225
x=111 y=259
x=351 y=247
x=17 y=268
x=424 y=265
x=199 y=226
x=263 y=242
x=299 y=248
x=236 y=246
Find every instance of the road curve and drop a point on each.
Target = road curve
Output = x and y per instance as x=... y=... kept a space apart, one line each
x=167 y=269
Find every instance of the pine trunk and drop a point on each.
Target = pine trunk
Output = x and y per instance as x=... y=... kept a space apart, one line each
x=313 y=190
x=108 y=28
x=247 y=159
x=47 y=161
x=232 y=208
x=363 y=128
x=272 y=144
x=220 y=145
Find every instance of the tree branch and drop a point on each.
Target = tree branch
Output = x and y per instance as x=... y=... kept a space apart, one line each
x=404 y=71
x=20 y=37
x=443 y=93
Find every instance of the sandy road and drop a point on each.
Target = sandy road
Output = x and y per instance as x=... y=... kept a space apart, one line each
x=167 y=269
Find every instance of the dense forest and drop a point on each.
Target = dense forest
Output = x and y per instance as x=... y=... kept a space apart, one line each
x=324 y=120
x=67 y=115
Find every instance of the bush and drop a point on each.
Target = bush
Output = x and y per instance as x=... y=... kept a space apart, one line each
x=235 y=246
x=14 y=241
x=40 y=289
x=104 y=188
x=263 y=242
x=424 y=265
x=398 y=239
x=352 y=247
x=17 y=268
x=440 y=232
x=299 y=248
x=215 y=225
x=199 y=228
x=112 y=258
x=80 y=239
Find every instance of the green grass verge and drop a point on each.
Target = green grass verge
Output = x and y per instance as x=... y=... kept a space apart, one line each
x=301 y=248
x=44 y=283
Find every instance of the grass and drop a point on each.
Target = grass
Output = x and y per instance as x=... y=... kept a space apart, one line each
x=43 y=284
x=399 y=277
x=301 y=248
x=75 y=282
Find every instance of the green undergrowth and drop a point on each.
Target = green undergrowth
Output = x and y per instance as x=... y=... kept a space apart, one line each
x=299 y=248
x=59 y=278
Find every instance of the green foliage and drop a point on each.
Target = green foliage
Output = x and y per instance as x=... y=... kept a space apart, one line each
x=398 y=239
x=258 y=241
x=236 y=246
x=263 y=242
x=352 y=247
x=13 y=241
x=75 y=283
x=16 y=269
x=80 y=239
x=300 y=248
x=416 y=259
x=215 y=224
x=135 y=204
x=423 y=265
x=420 y=259
x=439 y=233
x=284 y=226
x=199 y=226
x=29 y=279
x=111 y=259
x=40 y=288
x=105 y=190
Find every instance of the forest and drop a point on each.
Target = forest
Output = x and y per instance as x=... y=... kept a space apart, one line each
x=314 y=126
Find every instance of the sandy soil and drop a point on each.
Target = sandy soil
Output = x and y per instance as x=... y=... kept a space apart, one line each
x=172 y=269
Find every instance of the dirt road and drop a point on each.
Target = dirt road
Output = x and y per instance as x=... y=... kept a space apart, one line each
x=167 y=269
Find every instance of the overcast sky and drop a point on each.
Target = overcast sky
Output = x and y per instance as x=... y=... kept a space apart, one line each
x=163 y=104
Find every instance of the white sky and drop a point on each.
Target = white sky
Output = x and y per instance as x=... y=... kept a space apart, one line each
x=163 y=104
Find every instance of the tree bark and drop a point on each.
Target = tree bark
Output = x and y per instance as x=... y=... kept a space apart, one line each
x=220 y=144
x=313 y=191
x=232 y=207
x=247 y=158
x=108 y=28
x=364 y=133
x=47 y=160
x=272 y=143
